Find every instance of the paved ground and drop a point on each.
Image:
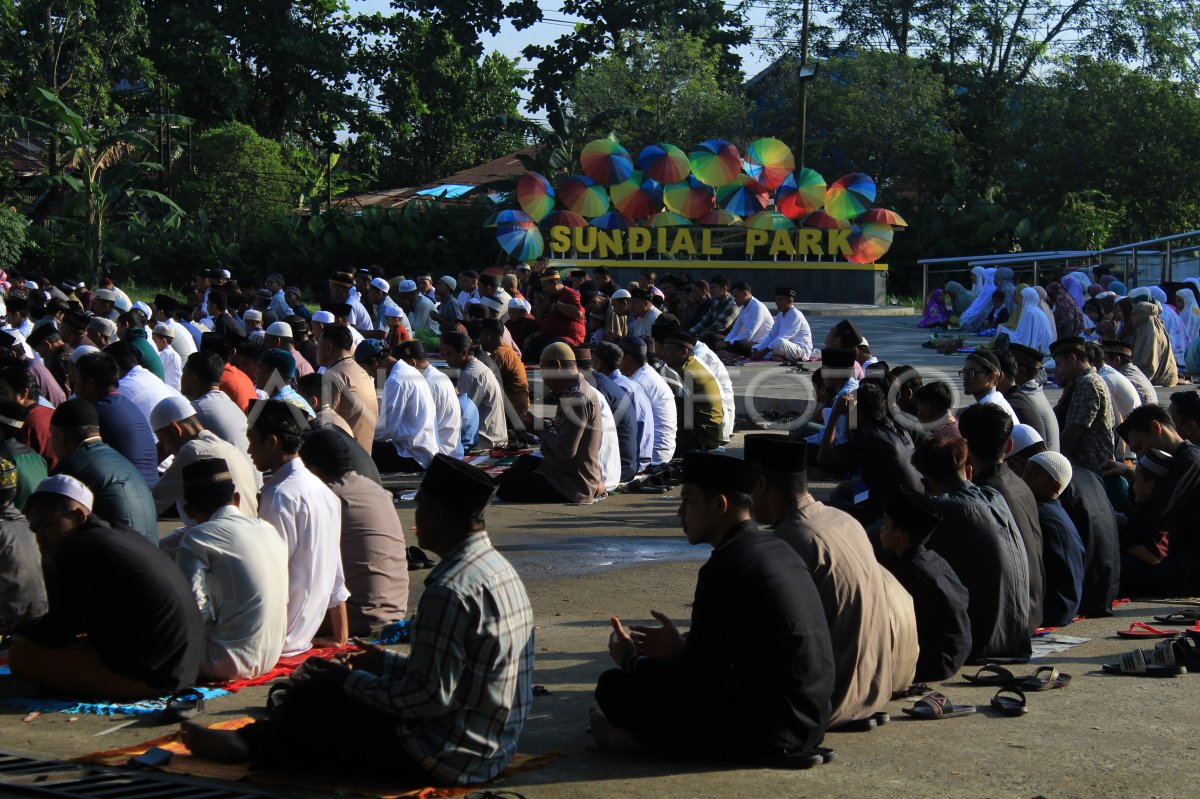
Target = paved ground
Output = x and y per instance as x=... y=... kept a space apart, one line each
x=1102 y=736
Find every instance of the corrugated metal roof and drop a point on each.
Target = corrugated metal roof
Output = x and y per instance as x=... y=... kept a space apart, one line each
x=450 y=187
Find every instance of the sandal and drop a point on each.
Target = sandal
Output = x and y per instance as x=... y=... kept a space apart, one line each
x=186 y=704
x=992 y=675
x=1177 y=652
x=417 y=559
x=935 y=705
x=1134 y=664
x=1044 y=679
x=1185 y=617
x=1010 y=702
x=1139 y=629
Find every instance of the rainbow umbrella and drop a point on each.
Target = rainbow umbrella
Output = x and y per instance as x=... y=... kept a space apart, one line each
x=770 y=162
x=719 y=217
x=743 y=196
x=716 y=162
x=690 y=197
x=613 y=220
x=850 y=195
x=521 y=240
x=881 y=216
x=565 y=219
x=870 y=241
x=536 y=195
x=668 y=219
x=606 y=162
x=665 y=163
x=582 y=195
x=637 y=197
x=768 y=220
x=512 y=216
x=800 y=193
x=820 y=219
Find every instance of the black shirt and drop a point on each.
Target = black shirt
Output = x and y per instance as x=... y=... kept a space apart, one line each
x=1023 y=506
x=940 y=602
x=1086 y=502
x=129 y=599
x=882 y=453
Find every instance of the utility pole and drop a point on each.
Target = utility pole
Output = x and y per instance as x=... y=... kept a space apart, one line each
x=802 y=79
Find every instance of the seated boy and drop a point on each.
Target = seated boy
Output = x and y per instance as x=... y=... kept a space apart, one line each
x=1047 y=474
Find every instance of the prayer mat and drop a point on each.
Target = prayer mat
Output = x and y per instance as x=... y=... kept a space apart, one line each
x=1053 y=643
x=184 y=763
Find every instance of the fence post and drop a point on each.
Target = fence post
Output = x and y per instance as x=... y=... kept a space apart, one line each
x=1036 y=274
x=924 y=284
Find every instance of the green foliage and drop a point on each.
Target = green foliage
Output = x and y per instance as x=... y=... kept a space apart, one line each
x=238 y=177
x=13 y=237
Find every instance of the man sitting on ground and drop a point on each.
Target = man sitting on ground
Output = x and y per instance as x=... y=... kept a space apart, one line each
x=312 y=389
x=22 y=590
x=752 y=325
x=665 y=418
x=981 y=379
x=201 y=383
x=30 y=467
x=1047 y=474
x=1085 y=410
x=122 y=425
x=350 y=388
x=1019 y=370
x=702 y=410
x=122 y=623
x=447 y=409
x=790 y=338
x=406 y=430
x=451 y=711
x=481 y=386
x=935 y=410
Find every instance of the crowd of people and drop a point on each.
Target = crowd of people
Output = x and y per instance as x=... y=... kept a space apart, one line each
x=264 y=428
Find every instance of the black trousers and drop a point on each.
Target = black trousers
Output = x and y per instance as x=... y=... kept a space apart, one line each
x=316 y=727
x=520 y=484
x=387 y=459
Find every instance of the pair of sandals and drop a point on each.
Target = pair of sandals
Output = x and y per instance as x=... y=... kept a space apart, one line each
x=1008 y=701
x=1170 y=658
x=1046 y=678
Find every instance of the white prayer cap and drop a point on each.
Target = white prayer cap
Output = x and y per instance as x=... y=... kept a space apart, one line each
x=225 y=274
x=492 y=302
x=122 y=303
x=407 y=286
x=99 y=324
x=1056 y=465
x=323 y=317
x=68 y=487
x=106 y=294
x=280 y=329
x=516 y=302
x=1024 y=437
x=621 y=294
x=144 y=308
x=449 y=281
x=381 y=284
x=82 y=350
x=252 y=315
x=174 y=408
x=32 y=285
x=164 y=330
x=394 y=312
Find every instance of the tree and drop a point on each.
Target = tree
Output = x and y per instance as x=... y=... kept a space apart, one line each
x=238 y=177
x=13 y=239
x=676 y=78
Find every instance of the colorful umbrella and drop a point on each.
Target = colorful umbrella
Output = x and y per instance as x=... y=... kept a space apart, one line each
x=690 y=198
x=521 y=240
x=565 y=219
x=743 y=196
x=536 y=195
x=668 y=219
x=882 y=216
x=820 y=219
x=800 y=193
x=770 y=162
x=606 y=162
x=512 y=216
x=870 y=241
x=850 y=195
x=719 y=217
x=716 y=162
x=665 y=163
x=768 y=220
x=582 y=195
x=637 y=197
x=613 y=220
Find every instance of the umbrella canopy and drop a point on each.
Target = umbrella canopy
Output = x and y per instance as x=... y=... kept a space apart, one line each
x=637 y=197
x=743 y=196
x=582 y=195
x=606 y=162
x=850 y=195
x=664 y=163
x=690 y=197
x=565 y=219
x=613 y=220
x=768 y=220
x=716 y=162
x=668 y=219
x=820 y=219
x=535 y=195
x=512 y=216
x=800 y=193
x=770 y=162
x=719 y=217
x=881 y=216
x=870 y=241
x=521 y=239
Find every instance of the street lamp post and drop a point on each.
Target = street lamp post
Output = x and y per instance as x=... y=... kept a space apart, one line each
x=804 y=74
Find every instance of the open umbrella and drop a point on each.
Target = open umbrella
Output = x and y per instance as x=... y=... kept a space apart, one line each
x=820 y=219
x=668 y=219
x=511 y=216
x=743 y=196
x=770 y=162
x=768 y=220
x=536 y=195
x=582 y=195
x=881 y=216
x=637 y=197
x=870 y=242
x=521 y=239
x=719 y=217
x=800 y=193
x=716 y=162
x=690 y=197
x=606 y=162
x=850 y=195
x=664 y=163
x=565 y=219
x=613 y=220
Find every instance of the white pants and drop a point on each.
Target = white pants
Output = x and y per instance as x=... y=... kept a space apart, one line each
x=790 y=350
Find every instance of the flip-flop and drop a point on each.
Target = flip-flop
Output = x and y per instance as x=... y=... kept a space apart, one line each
x=1044 y=679
x=937 y=706
x=1182 y=617
x=1010 y=702
x=186 y=704
x=1134 y=664
x=1139 y=629
x=992 y=675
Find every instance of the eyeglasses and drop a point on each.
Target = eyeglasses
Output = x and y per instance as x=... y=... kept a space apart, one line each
x=969 y=373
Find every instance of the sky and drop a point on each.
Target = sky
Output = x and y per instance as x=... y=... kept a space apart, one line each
x=511 y=42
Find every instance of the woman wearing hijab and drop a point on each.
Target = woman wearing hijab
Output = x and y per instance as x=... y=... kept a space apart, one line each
x=961 y=297
x=1006 y=283
x=1175 y=329
x=1047 y=311
x=1075 y=284
x=1118 y=288
x=1033 y=329
x=936 y=312
x=973 y=319
x=1145 y=332
x=1068 y=317
x=1189 y=311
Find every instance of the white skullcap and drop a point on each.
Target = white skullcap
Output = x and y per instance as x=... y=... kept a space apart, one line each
x=174 y=408
x=381 y=284
x=449 y=281
x=1023 y=437
x=68 y=487
x=516 y=302
x=280 y=329
x=225 y=274
x=164 y=330
x=106 y=294
x=621 y=294
x=394 y=312
x=407 y=286
x=82 y=350
x=122 y=303
x=101 y=325
x=323 y=317
x=1056 y=465
x=492 y=303
x=252 y=315
x=32 y=285
x=144 y=308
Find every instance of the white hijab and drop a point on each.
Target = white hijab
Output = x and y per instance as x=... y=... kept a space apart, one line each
x=1190 y=315
x=1033 y=329
x=972 y=319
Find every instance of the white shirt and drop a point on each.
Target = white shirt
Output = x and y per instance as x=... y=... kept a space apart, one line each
x=478 y=383
x=644 y=414
x=662 y=401
x=221 y=415
x=753 y=323
x=407 y=415
x=641 y=326
x=359 y=318
x=1124 y=395
x=308 y=516
x=709 y=360
x=790 y=326
x=419 y=316
x=996 y=398
x=237 y=568
x=168 y=490
x=183 y=343
x=447 y=411
x=610 y=451
x=143 y=389
x=172 y=366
